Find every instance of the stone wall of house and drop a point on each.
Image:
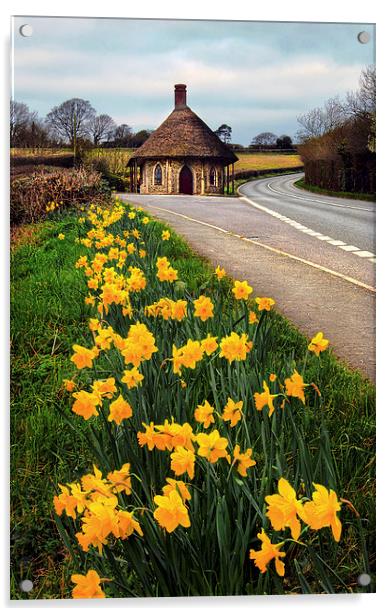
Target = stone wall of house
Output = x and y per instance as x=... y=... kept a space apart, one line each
x=204 y=182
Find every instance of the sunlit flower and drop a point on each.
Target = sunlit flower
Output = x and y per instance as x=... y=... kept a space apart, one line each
x=183 y=461
x=265 y=399
x=235 y=347
x=119 y=410
x=241 y=290
x=165 y=235
x=132 y=378
x=204 y=308
x=85 y=404
x=209 y=344
x=283 y=509
x=171 y=512
x=83 y=358
x=318 y=344
x=87 y=586
x=252 y=317
x=220 y=272
x=322 y=510
x=179 y=486
x=212 y=446
x=295 y=386
x=268 y=552
x=61 y=236
x=204 y=414
x=232 y=412
x=244 y=460
x=265 y=303
x=121 y=479
x=69 y=385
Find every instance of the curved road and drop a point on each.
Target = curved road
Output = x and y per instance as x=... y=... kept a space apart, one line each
x=347 y=220
x=313 y=254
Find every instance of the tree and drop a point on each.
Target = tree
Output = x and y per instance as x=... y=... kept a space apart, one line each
x=20 y=120
x=284 y=142
x=139 y=138
x=362 y=103
x=122 y=135
x=320 y=120
x=264 y=139
x=71 y=120
x=224 y=133
x=101 y=128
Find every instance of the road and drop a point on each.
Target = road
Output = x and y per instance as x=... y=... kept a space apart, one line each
x=315 y=255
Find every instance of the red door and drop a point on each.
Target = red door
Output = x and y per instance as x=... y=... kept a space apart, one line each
x=186 y=181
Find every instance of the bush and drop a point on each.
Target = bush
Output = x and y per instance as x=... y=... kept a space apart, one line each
x=30 y=196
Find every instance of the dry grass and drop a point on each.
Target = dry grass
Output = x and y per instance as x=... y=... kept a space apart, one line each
x=262 y=160
x=39 y=152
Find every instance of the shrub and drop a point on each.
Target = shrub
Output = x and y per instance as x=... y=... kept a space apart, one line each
x=30 y=196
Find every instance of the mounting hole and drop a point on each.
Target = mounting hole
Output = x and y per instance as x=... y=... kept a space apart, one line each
x=364 y=37
x=26 y=30
x=364 y=579
x=26 y=585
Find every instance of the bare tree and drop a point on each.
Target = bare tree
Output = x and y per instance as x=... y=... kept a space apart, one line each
x=362 y=103
x=71 y=119
x=20 y=119
x=264 y=139
x=321 y=120
x=335 y=112
x=101 y=128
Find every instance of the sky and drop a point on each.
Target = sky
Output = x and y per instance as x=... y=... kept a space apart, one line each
x=253 y=76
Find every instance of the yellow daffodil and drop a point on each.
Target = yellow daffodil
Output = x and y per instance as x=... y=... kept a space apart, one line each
x=87 y=586
x=283 y=509
x=268 y=552
x=241 y=290
x=318 y=344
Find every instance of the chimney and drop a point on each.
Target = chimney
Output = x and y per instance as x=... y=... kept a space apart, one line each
x=179 y=96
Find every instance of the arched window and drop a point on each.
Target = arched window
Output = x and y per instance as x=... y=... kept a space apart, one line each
x=213 y=176
x=158 y=174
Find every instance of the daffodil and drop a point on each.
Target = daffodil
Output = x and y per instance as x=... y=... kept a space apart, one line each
x=283 y=509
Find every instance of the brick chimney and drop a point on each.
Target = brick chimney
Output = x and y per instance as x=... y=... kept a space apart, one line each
x=179 y=96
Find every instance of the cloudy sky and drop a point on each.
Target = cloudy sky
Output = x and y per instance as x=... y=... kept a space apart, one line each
x=254 y=76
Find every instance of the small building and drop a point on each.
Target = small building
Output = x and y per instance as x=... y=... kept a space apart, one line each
x=182 y=156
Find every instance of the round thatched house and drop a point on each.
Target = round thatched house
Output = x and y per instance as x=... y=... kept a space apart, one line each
x=183 y=156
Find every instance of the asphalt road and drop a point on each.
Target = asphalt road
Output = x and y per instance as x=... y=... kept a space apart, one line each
x=315 y=257
x=348 y=220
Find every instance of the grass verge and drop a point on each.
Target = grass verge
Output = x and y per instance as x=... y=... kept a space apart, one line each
x=48 y=316
x=323 y=191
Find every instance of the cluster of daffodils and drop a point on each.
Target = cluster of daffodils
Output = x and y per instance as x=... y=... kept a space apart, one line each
x=284 y=510
x=94 y=501
x=121 y=270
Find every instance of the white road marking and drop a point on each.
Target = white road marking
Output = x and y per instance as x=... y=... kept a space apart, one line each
x=336 y=243
x=304 y=229
x=349 y=248
x=321 y=268
x=365 y=254
x=300 y=198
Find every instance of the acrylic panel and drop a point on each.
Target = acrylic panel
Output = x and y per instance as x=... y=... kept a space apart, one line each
x=192 y=308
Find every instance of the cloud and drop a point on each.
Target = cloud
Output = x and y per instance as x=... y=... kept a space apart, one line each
x=128 y=69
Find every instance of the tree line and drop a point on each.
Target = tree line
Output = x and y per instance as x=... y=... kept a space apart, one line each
x=338 y=140
x=73 y=123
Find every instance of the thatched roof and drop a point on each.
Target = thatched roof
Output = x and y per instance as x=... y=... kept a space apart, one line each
x=182 y=134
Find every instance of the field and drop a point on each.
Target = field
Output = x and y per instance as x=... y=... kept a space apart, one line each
x=264 y=160
x=117 y=158
x=328 y=437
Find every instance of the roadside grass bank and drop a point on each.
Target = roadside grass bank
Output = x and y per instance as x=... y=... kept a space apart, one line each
x=322 y=191
x=49 y=315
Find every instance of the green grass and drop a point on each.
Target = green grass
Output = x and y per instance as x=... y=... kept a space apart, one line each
x=49 y=315
x=323 y=191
